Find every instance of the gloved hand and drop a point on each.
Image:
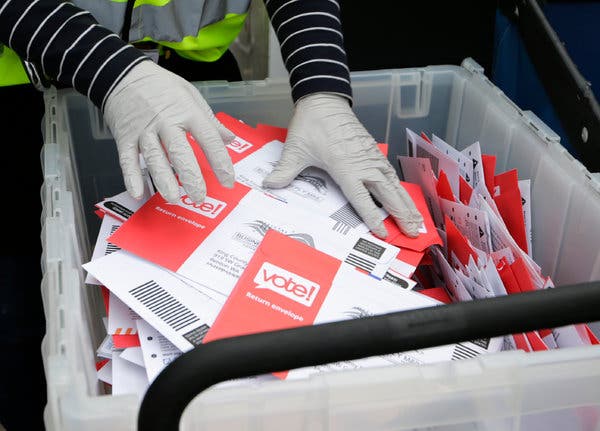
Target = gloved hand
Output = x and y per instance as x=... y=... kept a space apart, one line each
x=149 y=111
x=324 y=132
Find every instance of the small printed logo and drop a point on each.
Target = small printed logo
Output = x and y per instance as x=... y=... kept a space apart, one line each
x=239 y=146
x=358 y=313
x=317 y=182
x=262 y=227
x=209 y=208
x=286 y=283
x=118 y=209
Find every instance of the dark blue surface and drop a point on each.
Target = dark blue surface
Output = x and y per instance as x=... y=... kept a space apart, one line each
x=577 y=26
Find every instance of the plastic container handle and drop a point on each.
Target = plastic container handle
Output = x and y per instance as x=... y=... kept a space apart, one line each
x=262 y=353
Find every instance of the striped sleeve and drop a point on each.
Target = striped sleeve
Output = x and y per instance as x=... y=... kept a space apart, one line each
x=68 y=44
x=312 y=45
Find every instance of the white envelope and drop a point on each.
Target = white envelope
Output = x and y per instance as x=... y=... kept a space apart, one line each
x=465 y=163
x=128 y=378
x=102 y=247
x=181 y=313
x=440 y=161
x=156 y=350
x=312 y=189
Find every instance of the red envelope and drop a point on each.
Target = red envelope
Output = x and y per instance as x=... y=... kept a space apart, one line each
x=508 y=278
x=238 y=127
x=443 y=188
x=521 y=275
x=180 y=237
x=383 y=148
x=424 y=240
x=488 y=163
x=592 y=336
x=101 y=363
x=457 y=243
x=105 y=297
x=271 y=277
x=125 y=341
x=272 y=133
x=411 y=258
x=465 y=191
x=535 y=341
x=438 y=293
x=423 y=277
x=522 y=342
x=252 y=139
x=508 y=179
x=510 y=206
x=426 y=260
x=304 y=304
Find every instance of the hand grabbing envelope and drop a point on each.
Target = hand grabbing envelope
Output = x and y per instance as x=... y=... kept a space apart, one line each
x=324 y=132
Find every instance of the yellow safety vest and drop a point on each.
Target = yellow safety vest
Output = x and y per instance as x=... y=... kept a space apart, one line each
x=200 y=30
x=12 y=71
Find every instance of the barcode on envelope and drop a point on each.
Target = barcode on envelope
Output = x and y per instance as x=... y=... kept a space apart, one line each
x=110 y=247
x=196 y=335
x=163 y=305
x=484 y=343
x=346 y=219
x=463 y=352
x=360 y=262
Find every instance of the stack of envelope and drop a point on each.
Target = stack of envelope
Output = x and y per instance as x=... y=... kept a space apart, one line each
x=250 y=259
x=484 y=218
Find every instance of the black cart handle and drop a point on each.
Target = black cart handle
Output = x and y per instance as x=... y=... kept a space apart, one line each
x=266 y=352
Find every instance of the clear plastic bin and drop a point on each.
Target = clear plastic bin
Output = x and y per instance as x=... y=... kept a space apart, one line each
x=555 y=390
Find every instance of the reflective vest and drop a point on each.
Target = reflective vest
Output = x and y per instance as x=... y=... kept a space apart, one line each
x=12 y=71
x=200 y=30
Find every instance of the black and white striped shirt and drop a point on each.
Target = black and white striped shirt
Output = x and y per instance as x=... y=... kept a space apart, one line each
x=312 y=45
x=73 y=49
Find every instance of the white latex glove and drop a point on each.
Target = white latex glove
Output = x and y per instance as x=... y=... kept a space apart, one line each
x=149 y=111
x=324 y=132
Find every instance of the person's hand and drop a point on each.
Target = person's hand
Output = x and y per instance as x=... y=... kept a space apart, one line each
x=149 y=112
x=324 y=132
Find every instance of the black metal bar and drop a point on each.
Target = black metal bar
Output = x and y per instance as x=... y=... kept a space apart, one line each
x=569 y=92
x=251 y=355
